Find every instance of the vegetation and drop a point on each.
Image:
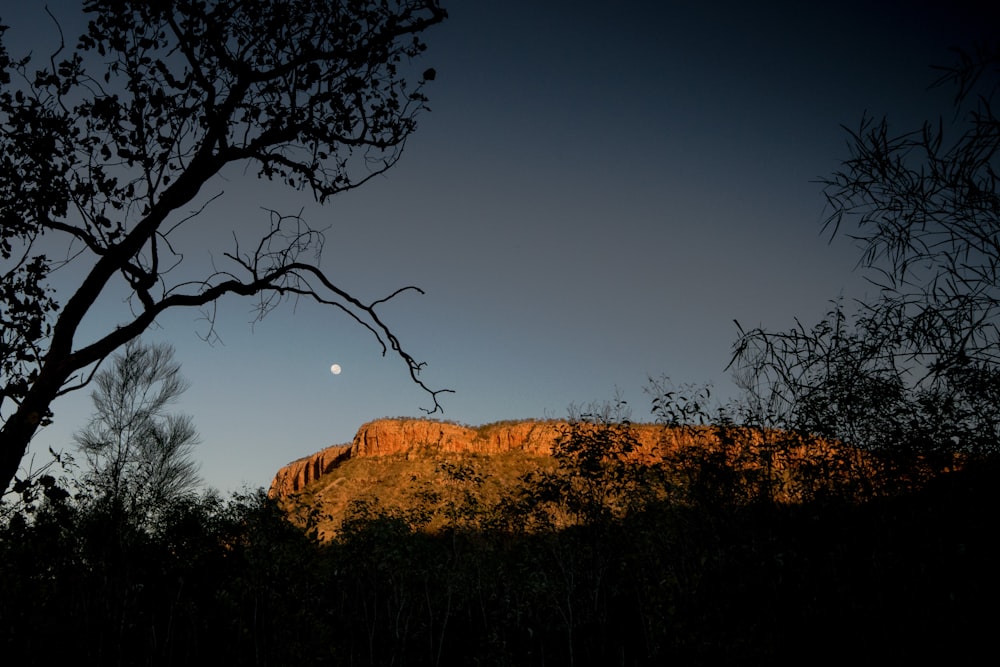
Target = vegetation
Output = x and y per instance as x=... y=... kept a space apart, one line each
x=138 y=455
x=108 y=147
x=598 y=559
x=915 y=370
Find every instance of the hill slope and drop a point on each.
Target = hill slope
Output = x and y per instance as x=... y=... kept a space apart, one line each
x=426 y=470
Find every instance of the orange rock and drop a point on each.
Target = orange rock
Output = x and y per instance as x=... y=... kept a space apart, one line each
x=386 y=437
x=783 y=454
x=297 y=474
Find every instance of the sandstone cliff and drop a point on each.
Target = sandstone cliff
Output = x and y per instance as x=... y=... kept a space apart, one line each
x=294 y=476
x=388 y=437
x=741 y=450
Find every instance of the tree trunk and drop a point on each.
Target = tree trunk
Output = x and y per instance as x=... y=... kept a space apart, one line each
x=21 y=426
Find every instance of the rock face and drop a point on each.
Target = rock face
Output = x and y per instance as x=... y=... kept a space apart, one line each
x=738 y=449
x=388 y=437
x=296 y=475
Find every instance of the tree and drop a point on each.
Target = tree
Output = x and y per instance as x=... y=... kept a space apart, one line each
x=138 y=453
x=918 y=367
x=102 y=149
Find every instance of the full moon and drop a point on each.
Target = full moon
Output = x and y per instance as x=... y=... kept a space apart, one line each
x=335 y=369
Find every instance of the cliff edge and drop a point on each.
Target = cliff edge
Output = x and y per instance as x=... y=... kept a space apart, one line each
x=425 y=437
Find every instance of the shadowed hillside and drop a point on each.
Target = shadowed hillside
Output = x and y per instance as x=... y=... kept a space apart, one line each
x=598 y=542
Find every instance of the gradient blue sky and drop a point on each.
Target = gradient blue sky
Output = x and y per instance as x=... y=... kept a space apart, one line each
x=599 y=191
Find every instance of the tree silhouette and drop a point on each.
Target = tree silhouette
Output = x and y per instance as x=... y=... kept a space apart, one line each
x=101 y=150
x=139 y=454
x=918 y=367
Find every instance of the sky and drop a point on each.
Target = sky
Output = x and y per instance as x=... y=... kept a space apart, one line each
x=598 y=192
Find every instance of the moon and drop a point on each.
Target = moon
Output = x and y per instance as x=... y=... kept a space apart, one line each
x=335 y=369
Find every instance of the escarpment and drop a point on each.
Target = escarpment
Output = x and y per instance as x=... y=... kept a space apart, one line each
x=388 y=437
x=413 y=439
x=430 y=474
x=296 y=475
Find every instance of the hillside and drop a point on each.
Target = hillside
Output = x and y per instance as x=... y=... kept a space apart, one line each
x=428 y=471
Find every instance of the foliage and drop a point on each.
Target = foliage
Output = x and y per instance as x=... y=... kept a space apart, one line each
x=139 y=455
x=107 y=146
x=917 y=369
x=597 y=477
x=216 y=579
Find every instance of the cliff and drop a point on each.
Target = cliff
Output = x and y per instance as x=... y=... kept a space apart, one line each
x=387 y=437
x=425 y=438
x=296 y=475
x=408 y=437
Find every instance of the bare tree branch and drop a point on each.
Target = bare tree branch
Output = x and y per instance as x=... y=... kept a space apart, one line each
x=108 y=145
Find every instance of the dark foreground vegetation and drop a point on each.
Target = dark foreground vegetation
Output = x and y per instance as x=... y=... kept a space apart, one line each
x=596 y=562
